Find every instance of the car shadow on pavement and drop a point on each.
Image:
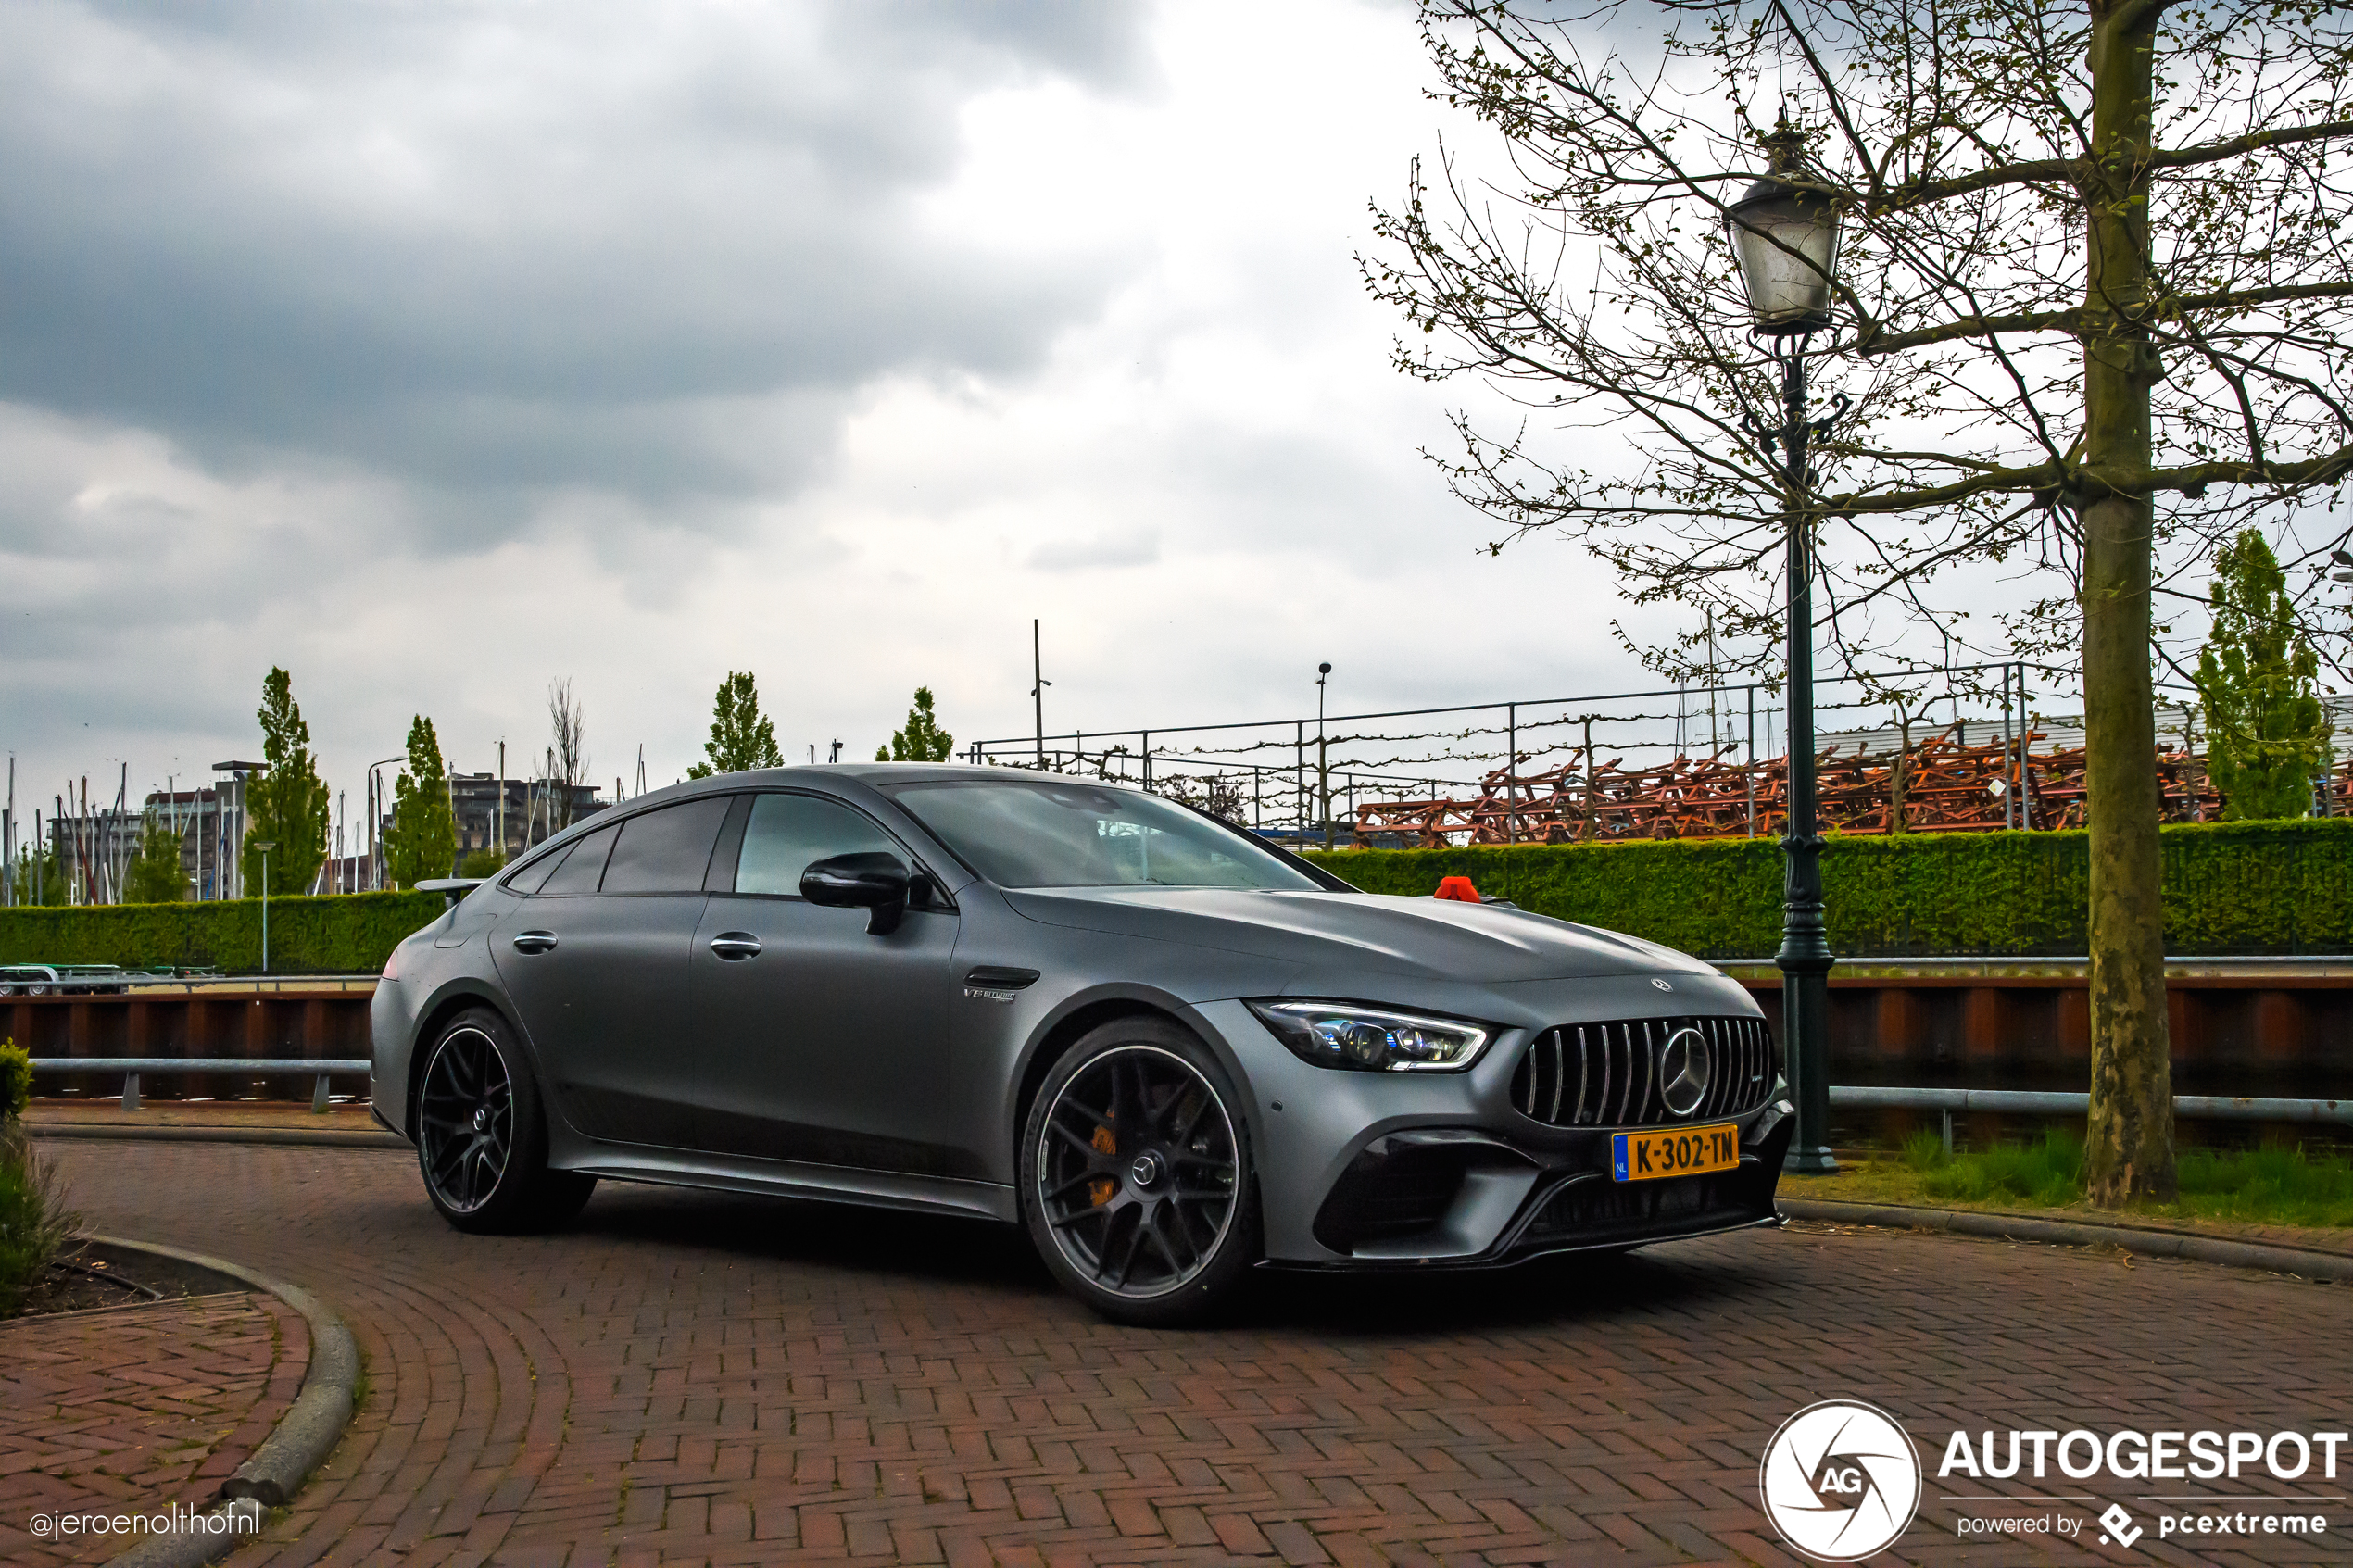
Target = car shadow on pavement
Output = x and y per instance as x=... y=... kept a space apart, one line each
x=1550 y=1292
x=825 y=1235
x=845 y=1241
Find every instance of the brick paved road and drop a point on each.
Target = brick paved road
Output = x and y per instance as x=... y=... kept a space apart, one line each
x=132 y=1409
x=689 y=1378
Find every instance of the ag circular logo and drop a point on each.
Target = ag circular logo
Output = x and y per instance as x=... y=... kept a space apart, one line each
x=1840 y=1480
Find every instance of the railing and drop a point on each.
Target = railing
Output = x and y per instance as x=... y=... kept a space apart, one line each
x=2033 y=1102
x=237 y=1066
x=2026 y=1103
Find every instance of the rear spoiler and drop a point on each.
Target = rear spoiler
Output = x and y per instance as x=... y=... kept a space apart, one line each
x=451 y=888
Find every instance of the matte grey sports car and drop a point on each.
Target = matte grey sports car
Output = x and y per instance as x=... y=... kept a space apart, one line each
x=1167 y=1049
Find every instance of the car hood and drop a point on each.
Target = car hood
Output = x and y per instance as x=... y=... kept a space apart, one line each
x=1421 y=938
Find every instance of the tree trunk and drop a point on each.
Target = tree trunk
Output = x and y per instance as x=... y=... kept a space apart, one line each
x=2128 y=1143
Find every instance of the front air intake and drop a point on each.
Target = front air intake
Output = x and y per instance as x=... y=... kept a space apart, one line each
x=1623 y=1073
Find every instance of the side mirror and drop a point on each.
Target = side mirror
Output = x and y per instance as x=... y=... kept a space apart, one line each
x=872 y=881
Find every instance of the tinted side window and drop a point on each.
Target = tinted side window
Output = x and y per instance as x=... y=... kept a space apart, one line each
x=530 y=878
x=585 y=866
x=668 y=850
x=788 y=832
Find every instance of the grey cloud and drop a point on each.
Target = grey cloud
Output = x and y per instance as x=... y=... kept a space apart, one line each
x=1133 y=547
x=509 y=246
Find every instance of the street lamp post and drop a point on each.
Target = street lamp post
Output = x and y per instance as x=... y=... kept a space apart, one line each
x=1785 y=240
x=1323 y=756
x=265 y=845
x=1038 y=684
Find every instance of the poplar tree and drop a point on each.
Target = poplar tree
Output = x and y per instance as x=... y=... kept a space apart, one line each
x=286 y=803
x=2267 y=735
x=740 y=736
x=921 y=740
x=423 y=840
x=153 y=875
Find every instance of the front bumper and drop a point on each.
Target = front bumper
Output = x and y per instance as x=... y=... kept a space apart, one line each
x=1422 y=1170
x=1446 y=1197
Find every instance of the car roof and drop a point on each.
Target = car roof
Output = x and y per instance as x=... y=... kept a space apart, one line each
x=871 y=774
x=876 y=773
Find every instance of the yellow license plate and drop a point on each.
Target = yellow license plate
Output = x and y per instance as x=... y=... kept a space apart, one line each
x=1681 y=1151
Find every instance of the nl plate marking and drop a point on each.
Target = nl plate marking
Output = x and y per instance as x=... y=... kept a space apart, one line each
x=1681 y=1151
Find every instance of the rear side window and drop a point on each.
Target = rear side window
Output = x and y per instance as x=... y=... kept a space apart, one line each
x=530 y=878
x=584 y=867
x=789 y=832
x=667 y=851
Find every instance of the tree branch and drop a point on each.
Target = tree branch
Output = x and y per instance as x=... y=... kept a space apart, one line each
x=2074 y=322
x=2072 y=171
x=2053 y=478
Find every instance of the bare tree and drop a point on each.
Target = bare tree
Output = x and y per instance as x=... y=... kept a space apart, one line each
x=567 y=749
x=1218 y=794
x=2092 y=320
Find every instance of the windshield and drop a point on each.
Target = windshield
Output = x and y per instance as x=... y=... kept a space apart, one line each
x=1070 y=834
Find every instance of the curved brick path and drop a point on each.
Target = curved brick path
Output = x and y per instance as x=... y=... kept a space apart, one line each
x=132 y=1408
x=693 y=1378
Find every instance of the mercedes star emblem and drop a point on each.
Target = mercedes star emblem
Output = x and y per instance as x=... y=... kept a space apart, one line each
x=1683 y=1072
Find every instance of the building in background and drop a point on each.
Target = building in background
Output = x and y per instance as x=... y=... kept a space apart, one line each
x=210 y=826
x=536 y=810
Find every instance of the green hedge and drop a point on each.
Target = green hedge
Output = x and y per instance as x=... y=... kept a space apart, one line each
x=2233 y=888
x=352 y=934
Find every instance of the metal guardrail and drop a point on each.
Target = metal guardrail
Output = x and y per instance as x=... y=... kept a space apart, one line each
x=2032 y=1102
x=320 y=1068
x=2027 y=1102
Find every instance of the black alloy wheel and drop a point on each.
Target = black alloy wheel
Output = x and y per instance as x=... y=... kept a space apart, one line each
x=481 y=1136
x=1138 y=1188
x=466 y=1120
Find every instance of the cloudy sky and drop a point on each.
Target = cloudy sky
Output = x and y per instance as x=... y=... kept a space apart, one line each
x=435 y=350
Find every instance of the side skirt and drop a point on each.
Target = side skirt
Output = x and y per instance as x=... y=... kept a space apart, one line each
x=784 y=1178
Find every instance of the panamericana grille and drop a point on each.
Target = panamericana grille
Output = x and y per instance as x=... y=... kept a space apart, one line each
x=1607 y=1075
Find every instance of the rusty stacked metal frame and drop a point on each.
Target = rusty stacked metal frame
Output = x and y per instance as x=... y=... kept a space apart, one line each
x=1605 y=767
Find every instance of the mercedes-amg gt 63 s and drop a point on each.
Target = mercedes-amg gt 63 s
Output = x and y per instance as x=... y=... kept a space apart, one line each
x=1168 y=1050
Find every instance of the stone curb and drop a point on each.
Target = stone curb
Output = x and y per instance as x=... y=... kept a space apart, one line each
x=295 y=1447
x=326 y=1138
x=2303 y=1262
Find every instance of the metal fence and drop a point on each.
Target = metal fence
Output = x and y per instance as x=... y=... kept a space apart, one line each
x=1970 y=748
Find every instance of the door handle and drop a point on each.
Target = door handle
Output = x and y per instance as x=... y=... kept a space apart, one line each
x=736 y=945
x=534 y=941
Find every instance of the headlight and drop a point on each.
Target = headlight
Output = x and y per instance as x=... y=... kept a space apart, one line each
x=1372 y=1039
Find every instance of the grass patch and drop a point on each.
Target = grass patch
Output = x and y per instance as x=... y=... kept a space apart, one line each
x=2047 y=1175
x=2264 y=1186
x=2268 y=1186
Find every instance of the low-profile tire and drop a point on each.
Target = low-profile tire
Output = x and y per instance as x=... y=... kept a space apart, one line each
x=482 y=1134
x=1135 y=1181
